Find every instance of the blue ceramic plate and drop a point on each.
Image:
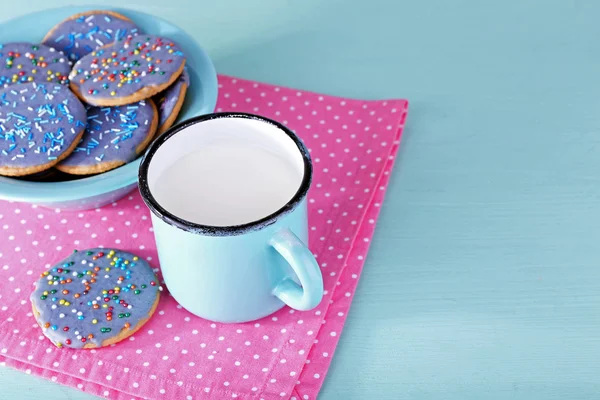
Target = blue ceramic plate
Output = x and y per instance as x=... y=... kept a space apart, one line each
x=98 y=190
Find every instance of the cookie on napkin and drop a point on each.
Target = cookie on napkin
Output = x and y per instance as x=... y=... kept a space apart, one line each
x=95 y=298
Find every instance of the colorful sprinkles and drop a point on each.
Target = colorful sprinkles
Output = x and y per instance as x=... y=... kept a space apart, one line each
x=26 y=62
x=126 y=67
x=92 y=294
x=113 y=134
x=38 y=123
x=84 y=33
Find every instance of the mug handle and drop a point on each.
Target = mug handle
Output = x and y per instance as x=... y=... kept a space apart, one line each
x=303 y=262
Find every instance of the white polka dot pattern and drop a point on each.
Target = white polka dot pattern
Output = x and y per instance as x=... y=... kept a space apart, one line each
x=175 y=355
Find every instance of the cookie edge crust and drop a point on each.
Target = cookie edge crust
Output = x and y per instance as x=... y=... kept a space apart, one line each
x=123 y=334
x=144 y=93
x=11 y=171
x=176 y=110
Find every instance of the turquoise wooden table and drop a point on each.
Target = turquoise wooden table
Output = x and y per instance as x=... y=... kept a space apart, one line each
x=483 y=280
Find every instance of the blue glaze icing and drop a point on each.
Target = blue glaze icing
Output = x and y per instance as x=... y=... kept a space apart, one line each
x=126 y=67
x=93 y=295
x=38 y=123
x=26 y=62
x=83 y=33
x=113 y=134
x=167 y=100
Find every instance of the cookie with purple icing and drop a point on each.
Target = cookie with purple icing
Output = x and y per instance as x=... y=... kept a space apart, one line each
x=114 y=136
x=82 y=33
x=40 y=125
x=129 y=70
x=170 y=101
x=22 y=62
x=95 y=298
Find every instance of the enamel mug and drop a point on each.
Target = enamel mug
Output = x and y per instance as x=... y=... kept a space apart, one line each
x=229 y=257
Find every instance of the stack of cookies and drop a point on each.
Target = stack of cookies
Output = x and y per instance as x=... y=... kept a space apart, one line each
x=90 y=98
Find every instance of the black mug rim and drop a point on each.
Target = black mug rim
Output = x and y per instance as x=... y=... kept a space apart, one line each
x=232 y=230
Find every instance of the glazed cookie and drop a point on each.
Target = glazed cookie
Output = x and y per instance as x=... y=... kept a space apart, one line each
x=95 y=298
x=130 y=70
x=170 y=102
x=40 y=125
x=114 y=136
x=82 y=33
x=25 y=62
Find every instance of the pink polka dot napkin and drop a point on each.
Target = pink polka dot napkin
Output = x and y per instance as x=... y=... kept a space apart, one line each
x=177 y=355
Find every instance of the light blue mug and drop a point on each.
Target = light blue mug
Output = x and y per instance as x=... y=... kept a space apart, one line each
x=231 y=258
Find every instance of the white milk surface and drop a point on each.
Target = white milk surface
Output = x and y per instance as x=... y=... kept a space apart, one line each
x=225 y=184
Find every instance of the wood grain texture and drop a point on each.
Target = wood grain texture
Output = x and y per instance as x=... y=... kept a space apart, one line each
x=482 y=280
